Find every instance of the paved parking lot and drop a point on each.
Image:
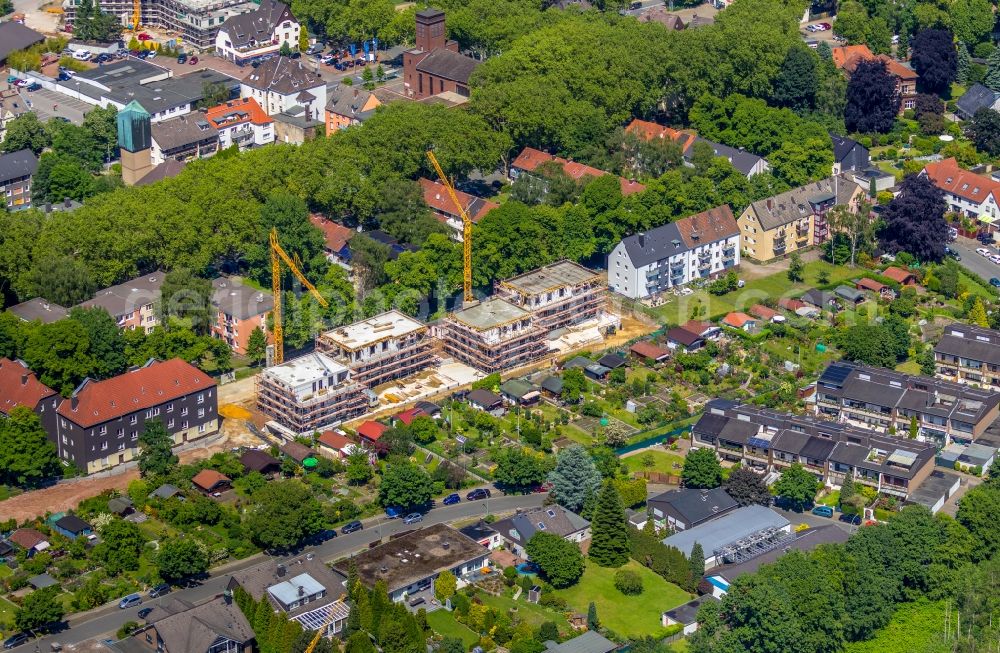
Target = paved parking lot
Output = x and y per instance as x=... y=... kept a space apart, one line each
x=49 y=104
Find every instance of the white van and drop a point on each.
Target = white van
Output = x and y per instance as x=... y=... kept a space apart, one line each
x=81 y=55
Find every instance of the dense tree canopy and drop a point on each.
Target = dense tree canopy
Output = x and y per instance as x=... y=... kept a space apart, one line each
x=935 y=59
x=560 y=560
x=872 y=99
x=27 y=457
x=914 y=220
x=702 y=469
x=575 y=479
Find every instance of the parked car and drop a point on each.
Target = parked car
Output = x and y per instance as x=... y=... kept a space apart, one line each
x=182 y=58
x=351 y=527
x=159 y=590
x=144 y=37
x=982 y=251
x=823 y=511
x=413 y=518
x=322 y=536
x=995 y=282
x=81 y=55
x=478 y=494
x=63 y=77
x=150 y=54
x=192 y=61
x=952 y=253
x=16 y=640
x=34 y=86
x=130 y=601
x=144 y=612
x=392 y=512
x=452 y=499
x=22 y=83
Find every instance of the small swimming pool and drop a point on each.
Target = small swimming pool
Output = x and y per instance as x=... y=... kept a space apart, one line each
x=527 y=569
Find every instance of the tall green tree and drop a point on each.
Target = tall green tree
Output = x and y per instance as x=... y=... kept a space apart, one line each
x=575 y=479
x=156 y=455
x=593 y=623
x=747 y=487
x=609 y=543
x=60 y=354
x=106 y=342
x=40 y=608
x=797 y=82
x=560 y=560
x=798 y=485
x=27 y=457
x=257 y=346
x=121 y=544
x=283 y=514
x=186 y=299
x=181 y=557
x=518 y=468
x=26 y=132
x=697 y=561
x=701 y=469
x=992 y=79
x=404 y=485
x=62 y=280
x=963 y=64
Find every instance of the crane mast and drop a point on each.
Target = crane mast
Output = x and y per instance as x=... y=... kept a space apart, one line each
x=278 y=255
x=466 y=231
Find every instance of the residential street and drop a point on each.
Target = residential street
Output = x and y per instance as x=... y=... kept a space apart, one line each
x=108 y=618
x=973 y=262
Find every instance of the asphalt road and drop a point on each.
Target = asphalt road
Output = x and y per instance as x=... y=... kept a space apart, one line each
x=105 y=620
x=975 y=263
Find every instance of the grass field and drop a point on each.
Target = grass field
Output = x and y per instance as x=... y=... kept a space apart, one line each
x=443 y=623
x=533 y=614
x=7 y=610
x=915 y=628
x=677 y=310
x=663 y=462
x=630 y=616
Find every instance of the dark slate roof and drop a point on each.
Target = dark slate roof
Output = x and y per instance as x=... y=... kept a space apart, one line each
x=256 y=26
x=789 y=441
x=39 y=309
x=258 y=461
x=73 y=524
x=976 y=98
x=611 y=361
x=428 y=407
x=688 y=613
x=736 y=430
x=659 y=243
x=796 y=204
x=284 y=76
x=842 y=146
x=478 y=531
x=186 y=628
x=15 y=36
x=818 y=448
x=483 y=397
x=17 y=164
x=970 y=341
x=683 y=336
x=552 y=519
x=183 y=131
x=741 y=159
x=710 y=424
x=448 y=65
x=553 y=384
x=41 y=581
x=695 y=506
x=589 y=642
x=166 y=170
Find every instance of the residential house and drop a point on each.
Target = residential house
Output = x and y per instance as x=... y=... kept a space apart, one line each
x=848 y=154
x=966 y=193
x=72 y=527
x=701 y=246
x=258 y=33
x=100 y=424
x=900 y=276
x=486 y=401
x=437 y=198
x=176 y=626
x=483 y=533
x=303 y=589
x=727 y=538
x=435 y=65
x=241 y=122
x=410 y=562
x=681 y=338
x=588 y=642
x=11 y=106
x=209 y=481
x=746 y=162
x=132 y=304
x=969 y=354
x=880 y=290
x=335 y=239
x=515 y=531
x=686 y=615
x=741 y=321
x=847 y=58
x=530 y=160
x=370 y=431
x=880 y=399
x=20 y=387
x=795 y=219
x=648 y=351
x=16 y=172
x=686 y=508
x=348 y=105
x=185 y=138
x=297 y=125
x=280 y=85
x=30 y=540
x=976 y=98
x=239 y=309
x=664 y=17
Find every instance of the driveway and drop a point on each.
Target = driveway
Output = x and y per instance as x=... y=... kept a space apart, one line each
x=108 y=618
x=973 y=262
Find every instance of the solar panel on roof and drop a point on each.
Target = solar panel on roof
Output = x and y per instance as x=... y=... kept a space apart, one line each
x=835 y=375
x=759 y=442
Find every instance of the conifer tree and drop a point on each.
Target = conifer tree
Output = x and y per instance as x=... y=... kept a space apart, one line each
x=609 y=544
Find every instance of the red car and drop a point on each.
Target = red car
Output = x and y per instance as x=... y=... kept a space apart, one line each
x=192 y=61
x=144 y=37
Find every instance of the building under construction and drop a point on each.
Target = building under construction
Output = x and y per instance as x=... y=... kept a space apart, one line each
x=492 y=336
x=380 y=349
x=196 y=22
x=310 y=393
x=558 y=295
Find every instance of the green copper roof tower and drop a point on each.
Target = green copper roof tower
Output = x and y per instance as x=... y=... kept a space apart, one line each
x=133 y=128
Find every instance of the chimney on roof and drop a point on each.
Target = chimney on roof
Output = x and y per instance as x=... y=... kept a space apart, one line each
x=642 y=239
x=770 y=204
x=74 y=402
x=302 y=591
x=24 y=378
x=281 y=571
x=67 y=202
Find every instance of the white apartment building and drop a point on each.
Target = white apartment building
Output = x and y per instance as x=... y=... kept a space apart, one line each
x=280 y=85
x=258 y=33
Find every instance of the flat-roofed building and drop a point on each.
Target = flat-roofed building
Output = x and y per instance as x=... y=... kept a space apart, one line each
x=880 y=399
x=493 y=335
x=558 y=295
x=382 y=348
x=969 y=354
x=735 y=537
x=310 y=393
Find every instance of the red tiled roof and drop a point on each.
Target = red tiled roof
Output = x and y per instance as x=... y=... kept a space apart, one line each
x=236 y=112
x=530 y=159
x=407 y=416
x=951 y=178
x=372 y=430
x=763 y=312
x=649 y=350
x=333 y=440
x=335 y=235
x=649 y=130
x=436 y=197
x=160 y=381
x=207 y=479
x=697 y=327
x=737 y=320
x=848 y=57
x=791 y=304
x=20 y=387
x=27 y=538
x=708 y=226
x=898 y=274
x=844 y=53
x=869 y=284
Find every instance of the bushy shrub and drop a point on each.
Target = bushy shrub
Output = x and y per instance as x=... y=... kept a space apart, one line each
x=628 y=582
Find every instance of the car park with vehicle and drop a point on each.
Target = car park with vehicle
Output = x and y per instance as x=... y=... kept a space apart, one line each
x=351 y=527
x=413 y=518
x=159 y=590
x=452 y=499
x=130 y=601
x=477 y=494
x=823 y=511
x=144 y=612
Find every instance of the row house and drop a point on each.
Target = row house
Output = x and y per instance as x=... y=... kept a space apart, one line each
x=530 y=160
x=889 y=401
x=380 y=349
x=966 y=193
x=701 y=246
x=969 y=354
x=748 y=163
x=255 y=34
x=796 y=219
x=558 y=295
x=99 y=426
x=771 y=441
x=20 y=387
x=436 y=197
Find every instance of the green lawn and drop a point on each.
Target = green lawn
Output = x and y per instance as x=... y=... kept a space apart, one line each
x=915 y=628
x=443 y=623
x=630 y=616
x=680 y=646
x=7 y=610
x=533 y=614
x=677 y=310
x=663 y=462
x=5 y=571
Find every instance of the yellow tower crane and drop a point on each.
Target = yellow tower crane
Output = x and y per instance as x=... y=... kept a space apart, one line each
x=278 y=255
x=136 y=15
x=466 y=230
x=326 y=624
